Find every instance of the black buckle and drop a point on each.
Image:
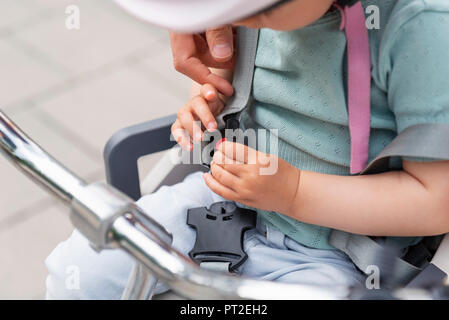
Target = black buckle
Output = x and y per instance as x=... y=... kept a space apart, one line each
x=232 y=122
x=219 y=233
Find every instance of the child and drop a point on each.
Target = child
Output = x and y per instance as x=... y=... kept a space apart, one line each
x=299 y=89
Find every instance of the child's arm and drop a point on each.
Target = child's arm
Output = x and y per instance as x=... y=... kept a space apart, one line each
x=411 y=202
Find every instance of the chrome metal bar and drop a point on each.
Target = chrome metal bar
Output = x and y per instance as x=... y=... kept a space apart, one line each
x=187 y=279
x=147 y=242
x=37 y=164
x=140 y=285
x=111 y=219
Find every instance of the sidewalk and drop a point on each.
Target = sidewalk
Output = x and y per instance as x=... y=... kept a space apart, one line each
x=70 y=90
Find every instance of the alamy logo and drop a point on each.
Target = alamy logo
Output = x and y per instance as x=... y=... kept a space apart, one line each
x=255 y=146
x=72 y=21
x=72 y=281
x=372 y=281
x=373 y=19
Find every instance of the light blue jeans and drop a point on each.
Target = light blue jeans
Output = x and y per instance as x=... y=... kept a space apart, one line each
x=271 y=255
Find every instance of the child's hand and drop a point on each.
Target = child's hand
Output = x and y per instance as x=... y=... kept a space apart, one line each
x=203 y=107
x=239 y=173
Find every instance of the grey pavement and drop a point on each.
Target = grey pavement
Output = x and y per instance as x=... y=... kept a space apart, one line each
x=70 y=90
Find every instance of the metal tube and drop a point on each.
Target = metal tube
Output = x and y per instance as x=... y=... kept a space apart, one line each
x=150 y=246
x=43 y=169
x=147 y=246
x=36 y=163
x=140 y=285
x=187 y=279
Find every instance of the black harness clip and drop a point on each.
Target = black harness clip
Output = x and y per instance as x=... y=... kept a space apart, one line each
x=220 y=231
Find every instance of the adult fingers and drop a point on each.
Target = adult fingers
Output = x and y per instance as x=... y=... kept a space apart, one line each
x=197 y=71
x=221 y=43
x=186 y=61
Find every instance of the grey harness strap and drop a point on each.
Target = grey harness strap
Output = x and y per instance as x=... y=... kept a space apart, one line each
x=421 y=141
x=243 y=80
x=366 y=253
x=243 y=75
x=430 y=140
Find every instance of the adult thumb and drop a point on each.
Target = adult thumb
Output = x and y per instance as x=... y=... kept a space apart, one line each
x=220 y=42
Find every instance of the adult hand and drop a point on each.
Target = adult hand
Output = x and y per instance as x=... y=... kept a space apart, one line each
x=193 y=54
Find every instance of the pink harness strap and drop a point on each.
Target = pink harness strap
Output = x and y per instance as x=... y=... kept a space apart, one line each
x=359 y=83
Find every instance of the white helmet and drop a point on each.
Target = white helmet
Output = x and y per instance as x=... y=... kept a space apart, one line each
x=194 y=15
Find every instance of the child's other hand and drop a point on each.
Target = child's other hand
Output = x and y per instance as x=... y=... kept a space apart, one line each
x=203 y=107
x=254 y=178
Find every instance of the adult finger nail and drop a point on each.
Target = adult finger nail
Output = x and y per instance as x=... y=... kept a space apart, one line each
x=222 y=50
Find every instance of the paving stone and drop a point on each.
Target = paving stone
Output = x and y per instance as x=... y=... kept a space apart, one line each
x=160 y=66
x=70 y=91
x=103 y=37
x=120 y=99
x=15 y=12
x=22 y=75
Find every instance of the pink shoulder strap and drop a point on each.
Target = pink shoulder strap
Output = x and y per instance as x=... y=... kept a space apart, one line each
x=359 y=83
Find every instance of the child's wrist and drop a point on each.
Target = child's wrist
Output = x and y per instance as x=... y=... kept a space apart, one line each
x=293 y=191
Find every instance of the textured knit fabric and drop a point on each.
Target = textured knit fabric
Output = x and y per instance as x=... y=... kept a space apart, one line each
x=300 y=89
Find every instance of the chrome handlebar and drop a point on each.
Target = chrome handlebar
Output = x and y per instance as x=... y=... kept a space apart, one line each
x=36 y=163
x=110 y=219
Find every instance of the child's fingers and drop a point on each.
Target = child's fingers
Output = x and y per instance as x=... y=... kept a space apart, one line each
x=239 y=152
x=212 y=97
x=203 y=112
x=179 y=133
x=224 y=177
x=219 y=189
x=232 y=166
x=188 y=122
